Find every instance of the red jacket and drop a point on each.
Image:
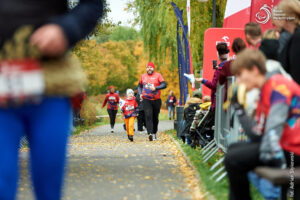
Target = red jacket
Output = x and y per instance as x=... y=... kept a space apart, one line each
x=279 y=89
x=112 y=100
x=77 y=101
x=129 y=108
x=212 y=85
x=147 y=80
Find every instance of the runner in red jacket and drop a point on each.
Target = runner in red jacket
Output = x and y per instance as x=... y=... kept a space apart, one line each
x=149 y=87
x=129 y=113
x=112 y=100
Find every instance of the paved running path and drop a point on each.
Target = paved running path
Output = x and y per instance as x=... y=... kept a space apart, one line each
x=102 y=165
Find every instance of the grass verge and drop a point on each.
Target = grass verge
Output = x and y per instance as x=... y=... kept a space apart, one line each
x=219 y=190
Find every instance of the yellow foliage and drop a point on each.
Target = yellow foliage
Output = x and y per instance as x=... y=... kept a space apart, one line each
x=121 y=64
x=89 y=111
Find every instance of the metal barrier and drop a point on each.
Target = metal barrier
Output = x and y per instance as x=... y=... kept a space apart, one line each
x=227 y=131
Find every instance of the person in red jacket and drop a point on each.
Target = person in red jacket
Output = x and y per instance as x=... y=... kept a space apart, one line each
x=129 y=113
x=150 y=85
x=112 y=99
x=77 y=102
x=274 y=134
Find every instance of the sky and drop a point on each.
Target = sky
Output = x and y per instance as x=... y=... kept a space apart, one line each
x=117 y=12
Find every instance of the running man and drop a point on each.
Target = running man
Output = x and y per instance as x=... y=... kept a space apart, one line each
x=149 y=87
x=112 y=99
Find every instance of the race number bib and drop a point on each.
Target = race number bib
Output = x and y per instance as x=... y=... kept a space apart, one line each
x=20 y=81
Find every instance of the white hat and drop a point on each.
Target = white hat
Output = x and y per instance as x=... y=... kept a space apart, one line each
x=128 y=91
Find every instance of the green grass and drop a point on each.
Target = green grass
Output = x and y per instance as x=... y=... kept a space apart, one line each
x=163 y=115
x=219 y=190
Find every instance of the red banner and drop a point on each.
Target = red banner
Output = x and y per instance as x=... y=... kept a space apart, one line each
x=211 y=38
x=261 y=12
x=237 y=13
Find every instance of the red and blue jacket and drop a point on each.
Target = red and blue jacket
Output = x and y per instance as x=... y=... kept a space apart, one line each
x=129 y=108
x=112 y=100
x=281 y=90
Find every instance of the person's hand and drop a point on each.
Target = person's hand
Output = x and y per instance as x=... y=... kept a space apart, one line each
x=198 y=79
x=50 y=40
x=152 y=88
x=141 y=97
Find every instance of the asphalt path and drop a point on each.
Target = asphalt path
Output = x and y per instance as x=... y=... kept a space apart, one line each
x=104 y=165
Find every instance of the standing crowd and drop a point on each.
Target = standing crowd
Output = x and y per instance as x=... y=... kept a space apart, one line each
x=268 y=71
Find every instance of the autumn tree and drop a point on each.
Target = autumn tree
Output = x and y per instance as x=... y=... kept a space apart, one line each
x=123 y=33
x=158 y=26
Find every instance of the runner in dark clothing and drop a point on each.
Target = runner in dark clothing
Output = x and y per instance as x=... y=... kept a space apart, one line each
x=141 y=121
x=149 y=87
x=112 y=100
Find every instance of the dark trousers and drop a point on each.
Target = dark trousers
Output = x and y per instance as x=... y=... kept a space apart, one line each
x=141 y=120
x=112 y=116
x=239 y=160
x=152 y=109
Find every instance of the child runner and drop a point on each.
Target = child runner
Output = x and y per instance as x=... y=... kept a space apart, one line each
x=129 y=113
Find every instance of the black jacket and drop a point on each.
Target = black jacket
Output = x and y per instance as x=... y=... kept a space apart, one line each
x=171 y=104
x=76 y=23
x=289 y=57
x=139 y=102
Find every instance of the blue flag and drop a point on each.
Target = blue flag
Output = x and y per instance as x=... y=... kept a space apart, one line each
x=183 y=58
x=180 y=65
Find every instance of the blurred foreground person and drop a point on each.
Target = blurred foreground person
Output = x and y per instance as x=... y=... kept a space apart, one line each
x=112 y=100
x=288 y=14
x=274 y=135
x=37 y=78
x=253 y=35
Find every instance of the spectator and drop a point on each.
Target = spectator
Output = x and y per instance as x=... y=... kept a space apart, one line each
x=150 y=85
x=253 y=34
x=129 y=113
x=271 y=34
x=269 y=47
x=289 y=57
x=284 y=36
x=238 y=45
x=171 y=103
x=76 y=103
x=39 y=35
x=112 y=99
x=141 y=121
x=196 y=98
x=190 y=108
x=223 y=55
x=206 y=99
x=274 y=134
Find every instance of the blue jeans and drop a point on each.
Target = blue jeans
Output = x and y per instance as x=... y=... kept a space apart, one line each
x=265 y=187
x=171 y=109
x=46 y=126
